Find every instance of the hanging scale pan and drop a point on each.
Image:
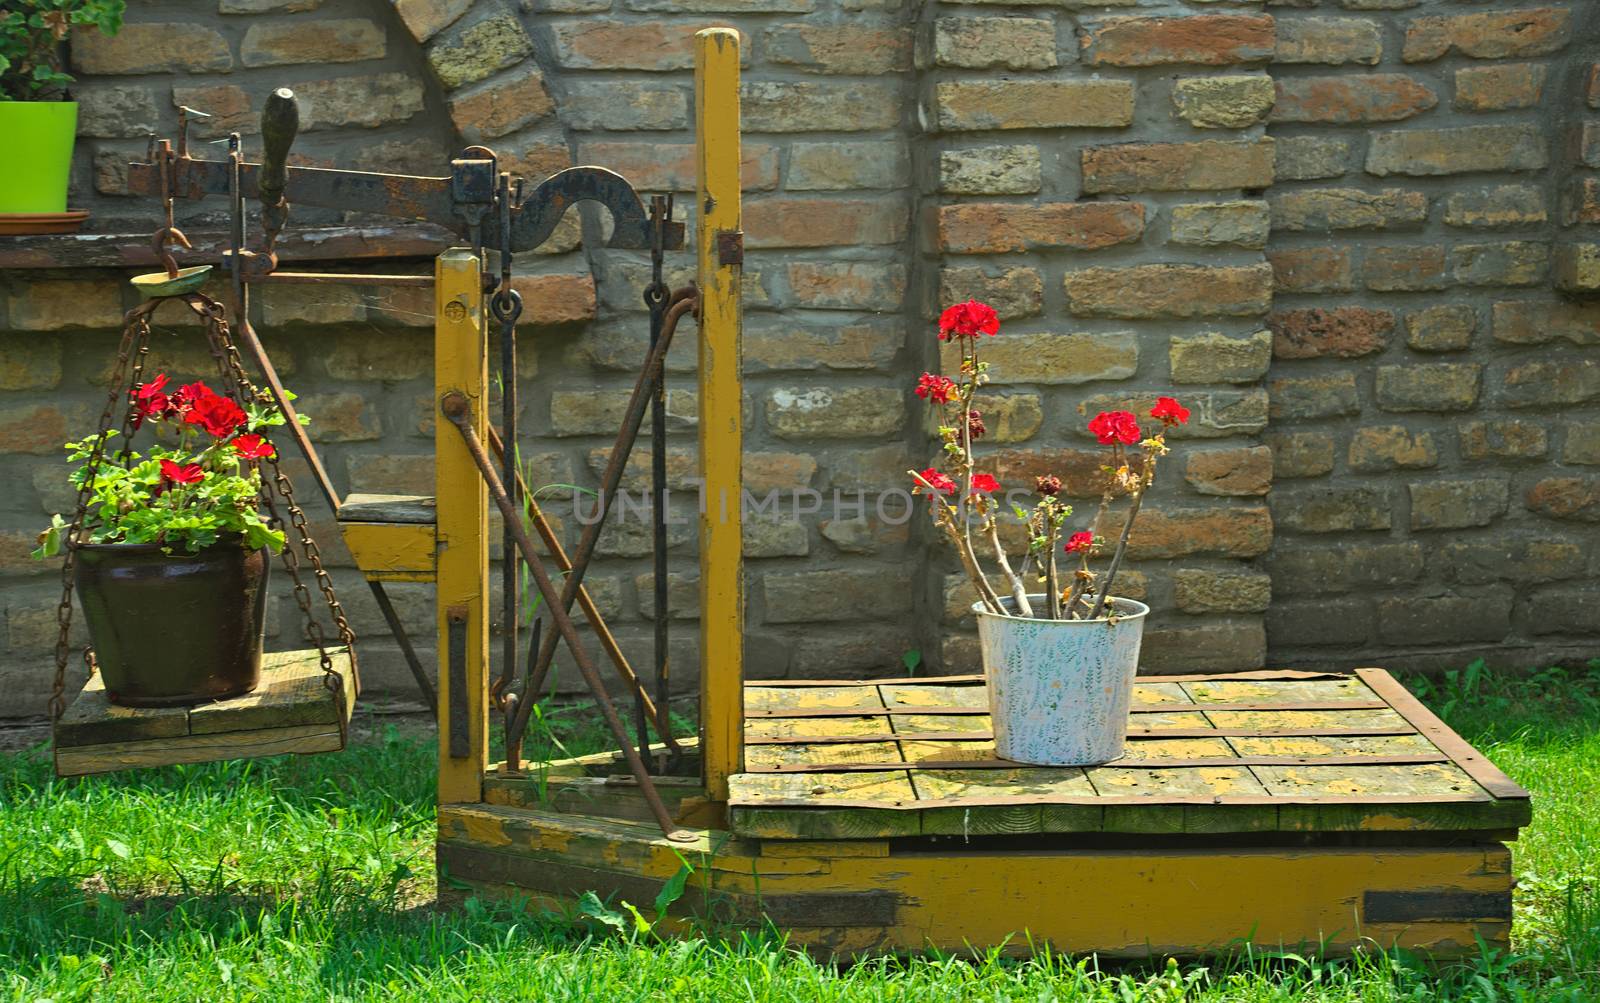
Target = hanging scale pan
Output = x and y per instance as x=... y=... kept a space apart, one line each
x=174 y=281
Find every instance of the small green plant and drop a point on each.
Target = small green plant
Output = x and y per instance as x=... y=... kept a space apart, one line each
x=32 y=33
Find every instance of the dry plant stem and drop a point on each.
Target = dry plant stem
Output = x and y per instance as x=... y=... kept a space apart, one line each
x=945 y=517
x=1019 y=588
x=1052 y=583
x=1116 y=557
x=1080 y=582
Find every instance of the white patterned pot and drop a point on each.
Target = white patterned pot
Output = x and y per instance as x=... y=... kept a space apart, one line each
x=1059 y=689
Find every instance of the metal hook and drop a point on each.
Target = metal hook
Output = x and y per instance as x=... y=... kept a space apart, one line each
x=158 y=243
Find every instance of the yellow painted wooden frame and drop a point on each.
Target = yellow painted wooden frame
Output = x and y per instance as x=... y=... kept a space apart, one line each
x=392 y=551
x=716 y=78
x=461 y=364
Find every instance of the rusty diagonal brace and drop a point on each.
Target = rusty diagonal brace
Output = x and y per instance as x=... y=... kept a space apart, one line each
x=591 y=613
x=458 y=410
x=682 y=301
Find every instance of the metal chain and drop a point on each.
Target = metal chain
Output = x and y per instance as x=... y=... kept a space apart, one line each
x=238 y=381
x=135 y=345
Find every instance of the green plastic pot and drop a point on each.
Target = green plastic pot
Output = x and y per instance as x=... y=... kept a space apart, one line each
x=36 y=154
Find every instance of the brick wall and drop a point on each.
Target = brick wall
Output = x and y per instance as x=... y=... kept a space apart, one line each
x=1352 y=234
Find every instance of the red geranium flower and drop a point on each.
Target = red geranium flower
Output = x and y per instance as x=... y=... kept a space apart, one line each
x=186 y=474
x=1079 y=541
x=1115 y=426
x=252 y=447
x=939 y=482
x=1169 y=412
x=215 y=413
x=985 y=483
x=939 y=389
x=1049 y=485
x=968 y=320
x=187 y=394
x=149 y=401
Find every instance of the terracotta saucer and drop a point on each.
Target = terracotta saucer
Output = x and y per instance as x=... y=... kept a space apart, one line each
x=14 y=224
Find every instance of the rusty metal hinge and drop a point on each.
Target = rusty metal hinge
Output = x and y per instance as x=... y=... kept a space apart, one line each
x=730 y=247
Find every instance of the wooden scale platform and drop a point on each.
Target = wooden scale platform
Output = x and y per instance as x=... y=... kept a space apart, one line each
x=1292 y=809
x=1287 y=809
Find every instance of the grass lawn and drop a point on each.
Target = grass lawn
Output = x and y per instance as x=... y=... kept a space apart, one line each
x=312 y=879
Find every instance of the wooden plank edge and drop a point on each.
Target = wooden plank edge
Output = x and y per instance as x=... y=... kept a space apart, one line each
x=1483 y=772
x=978 y=736
x=84 y=760
x=904 y=681
x=1140 y=708
x=1089 y=800
x=1131 y=764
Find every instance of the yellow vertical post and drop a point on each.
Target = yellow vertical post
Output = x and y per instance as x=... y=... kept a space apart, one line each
x=461 y=363
x=719 y=248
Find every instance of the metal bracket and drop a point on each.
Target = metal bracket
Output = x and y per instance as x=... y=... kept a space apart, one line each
x=456 y=671
x=730 y=248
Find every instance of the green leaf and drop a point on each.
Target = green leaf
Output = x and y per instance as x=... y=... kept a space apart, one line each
x=911 y=659
x=118 y=847
x=589 y=904
x=672 y=891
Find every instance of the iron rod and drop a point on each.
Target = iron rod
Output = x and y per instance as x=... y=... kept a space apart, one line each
x=506 y=307
x=398 y=629
x=597 y=623
x=458 y=410
x=612 y=475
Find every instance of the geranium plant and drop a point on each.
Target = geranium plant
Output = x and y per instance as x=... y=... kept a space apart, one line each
x=967 y=505
x=200 y=483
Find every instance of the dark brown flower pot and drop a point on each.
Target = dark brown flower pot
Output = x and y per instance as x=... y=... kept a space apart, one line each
x=174 y=628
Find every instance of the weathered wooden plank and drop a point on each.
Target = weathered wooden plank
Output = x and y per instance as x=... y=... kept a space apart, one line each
x=1187 y=677
x=917 y=750
x=811 y=823
x=104 y=758
x=1177 y=748
x=93 y=720
x=1146 y=692
x=905 y=681
x=821 y=757
x=772 y=700
x=956 y=706
x=1379 y=801
x=930 y=696
x=405 y=509
x=983 y=759
x=1194 y=720
x=1281 y=691
x=1044 y=782
x=292 y=692
x=1205 y=781
x=392 y=551
x=847 y=729
x=1380 y=718
x=1486 y=774
x=882 y=735
x=1436 y=779
x=888 y=786
x=914 y=724
x=1484 y=815
x=1313 y=746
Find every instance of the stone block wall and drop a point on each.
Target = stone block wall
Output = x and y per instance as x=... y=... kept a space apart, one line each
x=1351 y=234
